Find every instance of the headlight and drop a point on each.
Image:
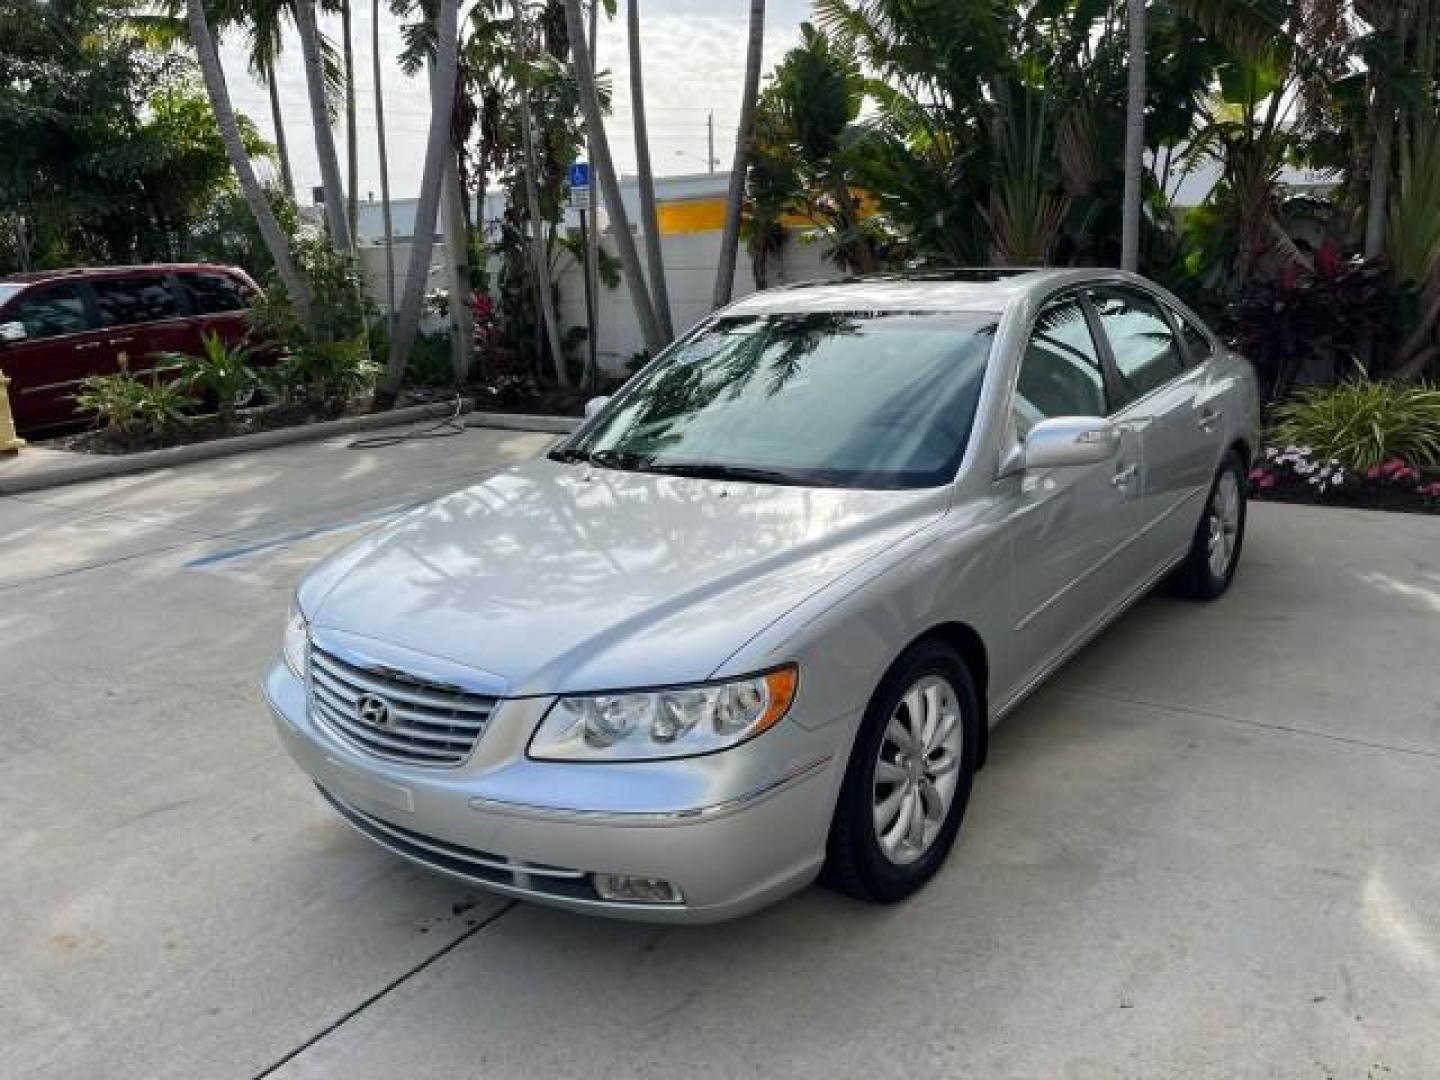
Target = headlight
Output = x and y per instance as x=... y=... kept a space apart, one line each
x=297 y=640
x=678 y=722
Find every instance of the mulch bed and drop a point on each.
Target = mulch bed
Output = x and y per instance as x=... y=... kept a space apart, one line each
x=1356 y=497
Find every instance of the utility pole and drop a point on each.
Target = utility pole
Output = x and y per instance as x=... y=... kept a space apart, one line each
x=710 y=140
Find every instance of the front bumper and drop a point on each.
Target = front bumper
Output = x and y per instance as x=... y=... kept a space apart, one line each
x=734 y=831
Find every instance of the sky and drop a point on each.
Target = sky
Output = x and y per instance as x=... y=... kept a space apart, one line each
x=694 y=54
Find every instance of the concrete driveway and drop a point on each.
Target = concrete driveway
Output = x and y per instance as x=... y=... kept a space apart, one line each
x=1209 y=848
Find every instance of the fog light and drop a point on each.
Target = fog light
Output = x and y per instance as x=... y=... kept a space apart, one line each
x=636 y=890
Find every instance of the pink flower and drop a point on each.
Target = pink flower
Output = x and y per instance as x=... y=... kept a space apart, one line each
x=1268 y=481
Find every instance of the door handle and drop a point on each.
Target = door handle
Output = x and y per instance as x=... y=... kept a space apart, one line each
x=86 y=346
x=1123 y=478
x=1207 y=420
x=119 y=341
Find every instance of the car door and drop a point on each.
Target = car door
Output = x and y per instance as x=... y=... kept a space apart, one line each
x=219 y=300
x=143 y=317
x=1067 y=523
x=61 y=347
x=1168 y=402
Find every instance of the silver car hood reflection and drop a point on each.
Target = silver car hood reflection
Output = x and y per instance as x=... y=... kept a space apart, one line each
x=557 y=577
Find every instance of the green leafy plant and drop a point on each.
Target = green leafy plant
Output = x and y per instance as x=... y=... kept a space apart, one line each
x=222 y=374
x=325 y=375
x=129 y=406
x=1363 y=424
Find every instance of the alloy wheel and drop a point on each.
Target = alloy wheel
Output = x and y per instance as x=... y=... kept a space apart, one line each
x=917 y=769
x=1224 y=523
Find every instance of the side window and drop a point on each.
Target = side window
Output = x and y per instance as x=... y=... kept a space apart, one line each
x=1060 y=373
x=134 y=300
x=215 y=293
x=1196 y=343
x=50 y=311
x=1146 y=352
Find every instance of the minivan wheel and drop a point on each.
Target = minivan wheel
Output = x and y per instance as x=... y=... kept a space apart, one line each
x=1215 y=549
x=909 y=777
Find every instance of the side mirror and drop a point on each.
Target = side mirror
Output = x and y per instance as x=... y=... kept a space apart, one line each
x=1070 y=440
x=12 y=332
x=594 y=405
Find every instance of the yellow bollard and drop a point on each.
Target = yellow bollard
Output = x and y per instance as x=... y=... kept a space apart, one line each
x=9 y=441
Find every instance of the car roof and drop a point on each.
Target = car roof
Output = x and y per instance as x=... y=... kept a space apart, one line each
x=33 y=276
x=988 y=289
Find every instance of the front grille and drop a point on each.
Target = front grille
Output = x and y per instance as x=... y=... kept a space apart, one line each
x=395 y=715
x=481 y=867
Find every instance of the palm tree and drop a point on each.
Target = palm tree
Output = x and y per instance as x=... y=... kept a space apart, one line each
x=649 y=220
x=539 y=249
x=352 y=141
x=437 y=145
x=730 y=238
x=315 y=82
x=604 y=167
x=592 y=234
x=263 y=22
x=219 y=93
x=384 y=163
x=1134 y=139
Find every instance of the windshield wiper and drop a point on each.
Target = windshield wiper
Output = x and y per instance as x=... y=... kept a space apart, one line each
x=708 y=470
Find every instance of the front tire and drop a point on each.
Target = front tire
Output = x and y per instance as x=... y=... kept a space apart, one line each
x=1215 y=550
x=909 y=777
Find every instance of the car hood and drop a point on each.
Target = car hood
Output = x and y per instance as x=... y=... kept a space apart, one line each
x=556 y=577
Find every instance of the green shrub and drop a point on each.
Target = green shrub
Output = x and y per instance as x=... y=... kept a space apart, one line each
x=325 y=374
x=222 y=372
x=130 y=406
x=1362 y=424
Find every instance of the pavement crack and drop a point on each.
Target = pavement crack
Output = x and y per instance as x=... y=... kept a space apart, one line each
x=385 y=990
x=1287 y=729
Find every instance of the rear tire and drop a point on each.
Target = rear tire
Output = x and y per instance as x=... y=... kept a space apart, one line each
x=1214 y=553
x=909 y=777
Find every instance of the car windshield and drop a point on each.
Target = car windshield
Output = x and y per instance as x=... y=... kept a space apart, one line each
x=852 y=399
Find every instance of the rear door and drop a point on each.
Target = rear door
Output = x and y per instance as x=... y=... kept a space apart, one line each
x=143 y=316
x=1067 y=525
x=1168 y=401
x=62 y=346
x=218 y=302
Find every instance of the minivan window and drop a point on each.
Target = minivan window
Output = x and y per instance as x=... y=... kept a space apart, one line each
x=855 y=399
x=213 y=293
x=1146 y=352
x=1060 y=373
x=50 y=310
x=122 y=301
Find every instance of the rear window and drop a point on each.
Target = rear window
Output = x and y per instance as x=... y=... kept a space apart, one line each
x=122 y=301
x=212 y=292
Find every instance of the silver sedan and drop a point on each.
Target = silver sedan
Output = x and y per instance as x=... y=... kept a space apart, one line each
x=753 y=622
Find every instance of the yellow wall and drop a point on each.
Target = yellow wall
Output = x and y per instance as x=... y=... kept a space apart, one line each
x=705 y=215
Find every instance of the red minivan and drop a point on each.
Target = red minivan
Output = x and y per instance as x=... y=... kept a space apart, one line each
x=59 y=326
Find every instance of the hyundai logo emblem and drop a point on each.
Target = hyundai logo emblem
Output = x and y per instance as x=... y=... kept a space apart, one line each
x=373 y=711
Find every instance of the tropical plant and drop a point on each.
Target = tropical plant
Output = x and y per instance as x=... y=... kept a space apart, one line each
x=129 y=406
x=442 y=107
x=325 y=375
x=649 y=219
x=222 y=374
x=1361 y=424
x=317 y=89
x=265 y=218
x=735 y=196
x=1332 y=320
x=604 y=167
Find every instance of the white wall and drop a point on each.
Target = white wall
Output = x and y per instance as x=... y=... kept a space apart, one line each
x=690 y=260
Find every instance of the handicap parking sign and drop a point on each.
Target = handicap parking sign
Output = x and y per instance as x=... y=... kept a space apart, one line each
x=580 y=174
